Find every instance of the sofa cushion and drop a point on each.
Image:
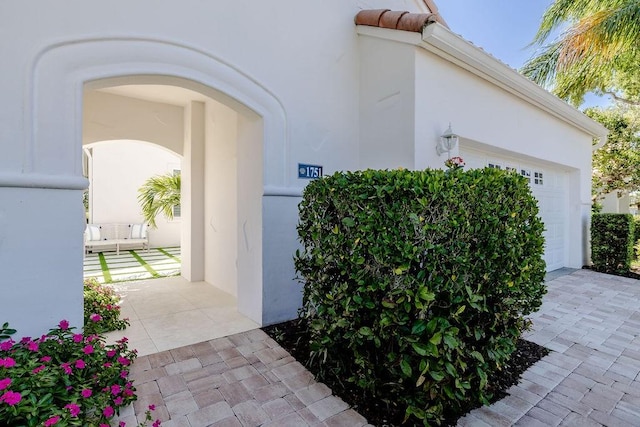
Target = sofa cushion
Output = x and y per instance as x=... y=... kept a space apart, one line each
x=93 y=233
x=138 y=231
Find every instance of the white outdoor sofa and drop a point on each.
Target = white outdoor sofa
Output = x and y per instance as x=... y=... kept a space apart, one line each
x=104 y=237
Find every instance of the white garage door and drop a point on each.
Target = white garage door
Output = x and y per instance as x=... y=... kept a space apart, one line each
x=548 y=185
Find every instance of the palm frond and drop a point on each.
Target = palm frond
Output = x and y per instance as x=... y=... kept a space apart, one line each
x=593 y=51
x=158 y=195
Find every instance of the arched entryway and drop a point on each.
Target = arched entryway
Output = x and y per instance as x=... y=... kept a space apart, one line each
x=212 y=230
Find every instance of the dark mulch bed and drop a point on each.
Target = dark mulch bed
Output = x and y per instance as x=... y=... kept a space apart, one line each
x=293 y=338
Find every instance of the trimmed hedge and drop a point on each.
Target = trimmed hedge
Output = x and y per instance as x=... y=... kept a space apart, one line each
x=636 y=235
x=417 y=283
x=612 y=241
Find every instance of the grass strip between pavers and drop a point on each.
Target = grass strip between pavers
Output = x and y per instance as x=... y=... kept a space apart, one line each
x=144 y=264
x=105 y=268
x=168 y=254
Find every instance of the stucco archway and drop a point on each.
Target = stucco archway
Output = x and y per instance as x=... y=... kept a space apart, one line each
x=55 y=135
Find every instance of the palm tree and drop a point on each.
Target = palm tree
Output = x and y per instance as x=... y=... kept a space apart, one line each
x=598 y=49
x=159 y=194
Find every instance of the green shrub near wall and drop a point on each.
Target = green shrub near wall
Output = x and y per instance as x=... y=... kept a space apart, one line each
x=612 y=241
x=636 y=236
x=416 y=283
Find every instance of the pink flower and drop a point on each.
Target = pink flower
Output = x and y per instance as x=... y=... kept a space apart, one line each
x=86 y=393
x=38 y=369
x=92 y=338
x=107 y=364
x=66 y=367
x=118 y=401
x=104 y=425
x=152 y=407
x=157 y=423
x=11 y=398
x=5 y=383
x=78 y=337
x=6 y=345
x=32 y=346
x=64 y=325
x=454 y=163
x=45 y=359
x=108 y=412
x=111 y=353
x=123 y=361
x=95 y=317
x=122 y=424
x=124 y=374
x=52 y=421
x=73 y=408
x=115 y=389
x=88 y=349
x=80 y=364
x=122 y=340
x=7 y=362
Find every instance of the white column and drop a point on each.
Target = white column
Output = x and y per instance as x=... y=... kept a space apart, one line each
x=192 y=198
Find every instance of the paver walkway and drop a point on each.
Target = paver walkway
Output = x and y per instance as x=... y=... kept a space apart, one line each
x=591 y=321
x=245 y=379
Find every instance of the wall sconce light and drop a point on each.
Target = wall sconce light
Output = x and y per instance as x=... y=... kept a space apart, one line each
x=447 y=142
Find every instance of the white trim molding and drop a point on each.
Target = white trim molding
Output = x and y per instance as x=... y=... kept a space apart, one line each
x=38 y=180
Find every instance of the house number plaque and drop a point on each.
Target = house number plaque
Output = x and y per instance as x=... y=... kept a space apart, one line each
x=309 y=171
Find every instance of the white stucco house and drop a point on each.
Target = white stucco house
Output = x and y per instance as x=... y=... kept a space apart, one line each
x=246 y=91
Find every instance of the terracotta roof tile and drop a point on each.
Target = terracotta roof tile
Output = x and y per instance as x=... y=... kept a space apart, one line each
x=390 y=19
x=395 y=20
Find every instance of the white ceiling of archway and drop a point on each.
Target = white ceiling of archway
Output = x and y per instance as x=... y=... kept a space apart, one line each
x=165 y=94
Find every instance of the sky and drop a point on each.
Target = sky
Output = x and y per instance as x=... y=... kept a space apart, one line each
x=503 y=28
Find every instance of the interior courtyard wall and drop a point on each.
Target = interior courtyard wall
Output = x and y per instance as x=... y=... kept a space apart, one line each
x=118 y=170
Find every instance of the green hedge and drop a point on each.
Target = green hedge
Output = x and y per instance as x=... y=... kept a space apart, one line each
x=612 y=241
x=416 y=283
x=636 y=236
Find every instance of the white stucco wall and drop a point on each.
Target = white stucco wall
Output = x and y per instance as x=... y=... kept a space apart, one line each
x=39 y=233
x=118 y=170
x=221 y=197
x=387 y=103
x=253 y=219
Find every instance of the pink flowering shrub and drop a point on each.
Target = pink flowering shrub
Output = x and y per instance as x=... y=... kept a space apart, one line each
x=101 y=309
x=64 y=379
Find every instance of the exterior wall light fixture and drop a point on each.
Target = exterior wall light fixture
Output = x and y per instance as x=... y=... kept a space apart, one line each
x=447 y=142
